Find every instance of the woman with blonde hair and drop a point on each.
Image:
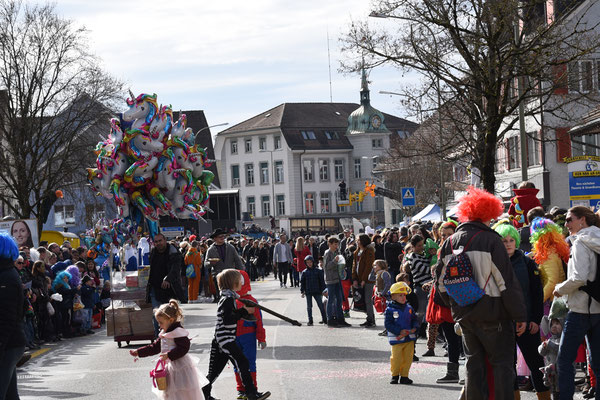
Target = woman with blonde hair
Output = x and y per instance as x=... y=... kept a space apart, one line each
x=301 y=252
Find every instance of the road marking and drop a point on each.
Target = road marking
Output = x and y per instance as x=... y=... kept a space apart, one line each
x=40 y=352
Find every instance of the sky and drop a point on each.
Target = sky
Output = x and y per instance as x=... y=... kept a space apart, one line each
x=233 y=59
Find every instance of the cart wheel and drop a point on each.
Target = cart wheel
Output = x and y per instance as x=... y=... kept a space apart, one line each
x=127 y=342
x=119 y=344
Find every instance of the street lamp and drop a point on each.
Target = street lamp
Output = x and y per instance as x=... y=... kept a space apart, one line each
x=212 y=126
x=375 y=14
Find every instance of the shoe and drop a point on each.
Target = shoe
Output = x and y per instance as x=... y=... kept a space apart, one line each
x=332 y=323
x=90 y=332
x=415 y=358
x=590 y=394
x=26 y=357
x=258 y=396
x=280 y=284
x=383 y=333
x=429 y=353
x=241 y=396
x=451 y=374
x=310 y=323
x=405 y=381
x=344 y=324
x=394 y=380
x=367 y=324
x=461 y=382
x=323 y=321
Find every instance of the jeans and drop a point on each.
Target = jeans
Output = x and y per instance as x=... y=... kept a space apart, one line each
x=496 y=342
x=334 y=301
x=8 y=373
x=296 y=275
x=155 y=304
x=369 y=302
x=87 y=325
x=283 y=268
x=319 y=301
x=577 y=327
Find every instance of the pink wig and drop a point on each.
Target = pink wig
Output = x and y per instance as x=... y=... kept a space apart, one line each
x=479 y=205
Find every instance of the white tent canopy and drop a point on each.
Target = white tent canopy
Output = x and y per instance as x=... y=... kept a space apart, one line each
x=430 y=213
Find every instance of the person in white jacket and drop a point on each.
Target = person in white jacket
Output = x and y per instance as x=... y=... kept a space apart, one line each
x=583 y=319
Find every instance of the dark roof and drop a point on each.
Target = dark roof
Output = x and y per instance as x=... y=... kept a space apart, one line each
x=293 y=118
x=197 y=121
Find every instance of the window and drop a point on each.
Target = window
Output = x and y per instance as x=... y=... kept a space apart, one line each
x=514 y=155
x=262 y=143
x=249 y=174
x=280 y=204
x=357 y=173
x=581 y=76
x=235 y=175
x=325 y=203
x=277 y=142
x=94 y=213
x=533 y=149
x=358 y=206
x=264 y=173
x=403 y=134
x=585 y=145
x=278 y=171
x=308 y=135
x=324 y=170
x=251 y=205
x=332 y=135
x=248 y=145
x=377 y=143
x=64 y=215
x=375 y=161
x=378 y=203
x=309 y=203
x=340 y=209
x=266 y=206
x=307 y=168
x=338 y=169
x=234 y=148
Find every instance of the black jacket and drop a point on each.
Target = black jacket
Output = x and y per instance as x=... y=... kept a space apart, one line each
x=11 y=307
x=172 y=274
x=503 y=299
x=533 y=292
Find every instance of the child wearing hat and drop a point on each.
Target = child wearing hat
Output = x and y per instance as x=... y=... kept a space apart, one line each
x=401 y=323
x=312 y=285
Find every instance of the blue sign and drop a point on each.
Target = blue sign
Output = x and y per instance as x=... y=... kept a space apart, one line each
x=408 y=197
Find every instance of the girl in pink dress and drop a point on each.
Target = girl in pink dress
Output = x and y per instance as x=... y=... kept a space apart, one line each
x=184 y=381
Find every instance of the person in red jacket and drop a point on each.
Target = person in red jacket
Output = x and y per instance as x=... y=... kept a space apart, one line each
x=524 y=200
x=248 y=333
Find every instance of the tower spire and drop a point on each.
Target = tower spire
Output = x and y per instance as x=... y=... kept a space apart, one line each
x=364 y=86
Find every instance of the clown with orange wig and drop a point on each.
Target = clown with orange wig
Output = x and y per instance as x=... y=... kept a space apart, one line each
x=550 y=250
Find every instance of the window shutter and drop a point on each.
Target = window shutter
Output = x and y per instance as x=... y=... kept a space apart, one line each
x=559 y=73
x=563 y=144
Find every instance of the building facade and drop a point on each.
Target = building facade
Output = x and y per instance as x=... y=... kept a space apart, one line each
x=289 y=162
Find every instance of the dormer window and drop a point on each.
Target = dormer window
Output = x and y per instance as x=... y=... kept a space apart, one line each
x=332 y=135
x=308 y=135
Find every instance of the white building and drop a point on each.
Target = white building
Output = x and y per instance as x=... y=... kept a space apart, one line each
x=289 y=161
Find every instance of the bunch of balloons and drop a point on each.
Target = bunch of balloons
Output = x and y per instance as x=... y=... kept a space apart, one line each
x=150 y=166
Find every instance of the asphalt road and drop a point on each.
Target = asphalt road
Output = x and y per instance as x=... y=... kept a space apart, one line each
x=299 y=363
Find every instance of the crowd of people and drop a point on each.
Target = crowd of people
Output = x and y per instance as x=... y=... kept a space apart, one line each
x=519 y=304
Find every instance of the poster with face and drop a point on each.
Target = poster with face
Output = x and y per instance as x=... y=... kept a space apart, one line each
x=24 y=231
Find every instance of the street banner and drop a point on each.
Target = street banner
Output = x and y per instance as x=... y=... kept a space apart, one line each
x=584 y=181
x=24 y=231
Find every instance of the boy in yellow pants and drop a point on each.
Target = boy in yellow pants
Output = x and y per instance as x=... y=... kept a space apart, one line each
x=401 y=323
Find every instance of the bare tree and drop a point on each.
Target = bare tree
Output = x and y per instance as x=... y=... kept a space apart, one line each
x=52 y=92
x=470 y=54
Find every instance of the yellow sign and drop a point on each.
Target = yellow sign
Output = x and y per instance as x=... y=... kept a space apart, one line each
x=568 y=160
x=586 y=197
x=585 y=174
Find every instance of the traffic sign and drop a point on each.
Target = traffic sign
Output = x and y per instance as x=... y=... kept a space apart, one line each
x=408 y=197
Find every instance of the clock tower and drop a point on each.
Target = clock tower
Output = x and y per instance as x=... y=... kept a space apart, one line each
x=365 y=119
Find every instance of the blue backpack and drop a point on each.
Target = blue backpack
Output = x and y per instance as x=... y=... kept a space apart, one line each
x=459 y=279
x=190 y=272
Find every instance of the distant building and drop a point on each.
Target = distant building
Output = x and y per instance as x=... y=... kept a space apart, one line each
x=289 y=161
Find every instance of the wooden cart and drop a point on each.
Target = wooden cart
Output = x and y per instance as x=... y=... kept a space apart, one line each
x=139 y=296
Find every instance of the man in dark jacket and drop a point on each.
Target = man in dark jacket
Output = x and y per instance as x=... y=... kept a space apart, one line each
x=164 y=281
x=487 y=325
x=12 y=336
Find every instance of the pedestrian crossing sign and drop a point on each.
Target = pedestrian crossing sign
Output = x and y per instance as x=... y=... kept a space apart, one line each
x=408 y=197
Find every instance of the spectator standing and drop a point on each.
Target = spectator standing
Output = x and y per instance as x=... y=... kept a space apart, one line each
x=487 y=325
x=392 y=251
x=12 y=337
x=282 y=257
x=324 y=246
x=335 y=314
x=164 y=281
x=194 y=257
x=583 y=318
x=364 y=257
x=301 y=252
x=221 y=256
